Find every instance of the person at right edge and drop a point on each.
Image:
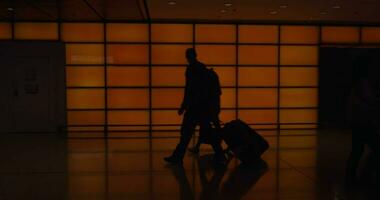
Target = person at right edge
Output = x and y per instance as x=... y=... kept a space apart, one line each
x=200 y=107
x=363 y=107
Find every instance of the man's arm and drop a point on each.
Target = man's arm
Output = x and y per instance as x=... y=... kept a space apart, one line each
x=185 y=100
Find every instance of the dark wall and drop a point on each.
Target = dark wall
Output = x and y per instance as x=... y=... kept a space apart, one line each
x=338 y=70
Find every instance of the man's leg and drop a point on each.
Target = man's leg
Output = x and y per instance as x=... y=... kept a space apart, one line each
x=216 y=145
x=187 y=130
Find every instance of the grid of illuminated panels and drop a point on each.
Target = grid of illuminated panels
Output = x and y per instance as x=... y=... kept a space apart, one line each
x=130 y=76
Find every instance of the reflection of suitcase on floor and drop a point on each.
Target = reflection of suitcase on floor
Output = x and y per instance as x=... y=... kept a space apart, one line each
x=244 y=141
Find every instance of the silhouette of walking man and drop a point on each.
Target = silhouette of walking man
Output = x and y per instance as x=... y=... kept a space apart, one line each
x=199 y=107
x=364 y=107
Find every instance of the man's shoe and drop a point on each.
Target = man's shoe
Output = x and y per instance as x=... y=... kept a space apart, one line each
x=174 y=161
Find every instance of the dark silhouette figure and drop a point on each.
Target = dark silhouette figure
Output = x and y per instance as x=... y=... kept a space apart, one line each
x=363 y=113
x=200 y=106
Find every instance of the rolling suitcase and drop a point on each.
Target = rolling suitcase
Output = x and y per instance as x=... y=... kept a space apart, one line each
x=244 y=142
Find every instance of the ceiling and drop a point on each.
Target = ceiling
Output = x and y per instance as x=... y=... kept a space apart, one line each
x=345 y=11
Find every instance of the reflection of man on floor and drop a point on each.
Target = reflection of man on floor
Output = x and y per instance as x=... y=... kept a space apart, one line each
x=196 y=106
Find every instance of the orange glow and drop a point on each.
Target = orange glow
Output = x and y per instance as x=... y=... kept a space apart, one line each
x=5 y=30
x=258 y=34
x=226 y=115
x=169 y=54
x=228 y=98
x=299 y=76
x=36 y=31
x=258 y=116
x=215 y=33
x=298 y=97
x=128 y=98
x=332 y=34
x=167 y=98
x=85 y=117
x=172 y=33
x=299 y=142
x=257 y=98
x=216 y=54
x=84 y=54
x=85 y=76
x=299 y=126
x=168 y=76
x=298 y=116
x=164 y=144
x=304 y=158
x=127 y=54
x=127 y=76
x=166 y=117
x=226 y=75
x=257 y=76
x=128 y=117
x=257 y=55
x=85 y=98
x=299 y=55
x=82 y=32
x=371 y=34
x=299 y=35
x=127 y=32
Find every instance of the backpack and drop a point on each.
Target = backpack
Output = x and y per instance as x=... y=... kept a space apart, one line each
x=212 y=91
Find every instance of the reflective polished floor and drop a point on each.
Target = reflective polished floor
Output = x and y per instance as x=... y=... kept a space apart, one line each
x=302 y=164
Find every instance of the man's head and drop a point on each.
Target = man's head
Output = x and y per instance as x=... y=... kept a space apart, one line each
x=191 y=55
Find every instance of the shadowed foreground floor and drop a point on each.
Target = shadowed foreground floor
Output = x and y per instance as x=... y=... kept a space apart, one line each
x=307 y=165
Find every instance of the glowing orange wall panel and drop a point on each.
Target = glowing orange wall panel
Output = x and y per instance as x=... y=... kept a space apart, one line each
x=127 y=54
x=169 y=54
x=226 y=75
x=5 y=31
x=128 y=117
x=120 y=32
x=298 y=97
x=299 y=35
x=257 y=55
x=85 y=76
x=299 y=76
x=216 y=54
x=257 y=98
x=257 y=76
x=167 y=98
x=84 y=54
x=258 y=116
x=299 y=55
x=371 y=34
x=172 y=33
x=85 y=117
x=85 y=98
x=127 y=76
x=82 y=32
x=228 y=98
x=215 y=33
x=258 y=34
x=166 y=117
x=168 y=76
x=128 y=98
x=36 y=31
x=298 y=116
x=332 y=34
